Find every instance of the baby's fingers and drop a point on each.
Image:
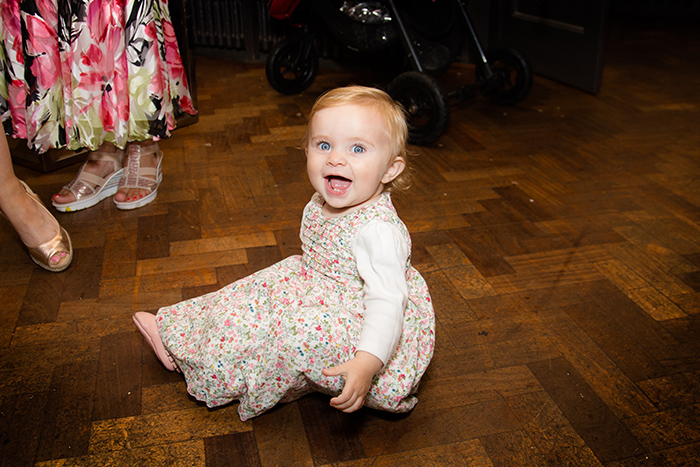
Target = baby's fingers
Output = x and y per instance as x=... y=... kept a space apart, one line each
x=333 y=371
x=351 y=405
x=348 y=401
x=340 y=402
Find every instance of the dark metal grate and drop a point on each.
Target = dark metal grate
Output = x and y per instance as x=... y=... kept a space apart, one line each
x=216 y=23
x=233 y=24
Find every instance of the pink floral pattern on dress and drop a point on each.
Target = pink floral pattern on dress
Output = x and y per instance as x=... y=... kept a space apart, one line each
x=266 y=338
x=89 y=72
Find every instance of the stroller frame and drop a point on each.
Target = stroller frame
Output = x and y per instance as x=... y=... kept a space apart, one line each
x=503 y=76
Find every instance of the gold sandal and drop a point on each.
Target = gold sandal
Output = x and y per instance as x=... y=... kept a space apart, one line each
x=43 y=253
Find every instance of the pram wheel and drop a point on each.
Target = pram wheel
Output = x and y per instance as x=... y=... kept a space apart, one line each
x=289 y=69
x=426 y=104
x=511 y=80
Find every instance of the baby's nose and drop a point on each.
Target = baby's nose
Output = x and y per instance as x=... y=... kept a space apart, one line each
x=336 y=158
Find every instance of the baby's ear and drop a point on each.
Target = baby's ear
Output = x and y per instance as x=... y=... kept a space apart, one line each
x=394 y=169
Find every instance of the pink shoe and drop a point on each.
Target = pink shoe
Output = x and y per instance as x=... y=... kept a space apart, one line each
x=146 y=322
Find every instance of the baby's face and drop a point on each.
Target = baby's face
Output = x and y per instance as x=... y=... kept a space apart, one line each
x=349 y=157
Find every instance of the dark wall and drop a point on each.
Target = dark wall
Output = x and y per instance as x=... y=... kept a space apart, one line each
x=656 y=9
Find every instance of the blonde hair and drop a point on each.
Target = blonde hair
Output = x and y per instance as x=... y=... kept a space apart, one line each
x=394 y=116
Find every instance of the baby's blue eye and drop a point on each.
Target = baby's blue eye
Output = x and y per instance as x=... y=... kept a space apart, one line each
x=323 y=146
x=358 y=149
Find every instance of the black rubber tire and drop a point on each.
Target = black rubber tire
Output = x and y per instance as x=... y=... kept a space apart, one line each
x=512 y=76
x=286 y=71
x=426 y=104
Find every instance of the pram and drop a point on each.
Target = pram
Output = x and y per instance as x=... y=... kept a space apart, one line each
x=429 y=32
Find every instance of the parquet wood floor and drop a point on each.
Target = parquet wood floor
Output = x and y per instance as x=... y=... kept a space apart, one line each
x=560 y=240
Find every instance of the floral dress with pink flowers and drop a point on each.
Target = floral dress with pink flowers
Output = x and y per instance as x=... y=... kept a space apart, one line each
x=267 y=337
x=79 y=73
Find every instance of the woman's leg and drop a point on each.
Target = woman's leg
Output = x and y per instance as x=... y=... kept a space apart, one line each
x=34 y=225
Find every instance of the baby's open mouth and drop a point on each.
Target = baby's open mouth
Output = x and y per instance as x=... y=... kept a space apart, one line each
x=337 y=183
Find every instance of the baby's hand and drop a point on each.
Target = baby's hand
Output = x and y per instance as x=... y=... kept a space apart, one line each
x=358 y=373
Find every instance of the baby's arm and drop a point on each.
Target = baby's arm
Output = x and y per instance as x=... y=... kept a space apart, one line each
x=358 y=373
x=382 y=255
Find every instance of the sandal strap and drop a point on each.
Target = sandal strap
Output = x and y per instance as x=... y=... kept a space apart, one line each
x=148 y=171
x=136 y=176
x=145 y=150
x=115 y=157
x=80 y=187
x=91 y=178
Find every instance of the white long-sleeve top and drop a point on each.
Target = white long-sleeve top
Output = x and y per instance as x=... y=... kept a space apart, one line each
x=382 y=256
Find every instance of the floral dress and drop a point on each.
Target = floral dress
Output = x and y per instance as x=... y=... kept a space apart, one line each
x=267 y=337
x=78 y=73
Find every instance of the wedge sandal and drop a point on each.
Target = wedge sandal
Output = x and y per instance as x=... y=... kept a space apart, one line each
x=136 y=176
x=82 y=186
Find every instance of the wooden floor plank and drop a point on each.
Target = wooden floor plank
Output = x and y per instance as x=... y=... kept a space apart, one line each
x=162 y=429
x=220 y=451
x=332 y=437
x=666 y=429
x=465 y=453
x=675 y=457
x=41 y=303
x=629 y=355
x=621 y=395
x=514 y=448
x=593 y=421
x=281 y=438
x=185 y=454
x=20 y=427
x=425 y=427
x=118 y=389
x=68 y=413
x=556 y=440
x=9 y=312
